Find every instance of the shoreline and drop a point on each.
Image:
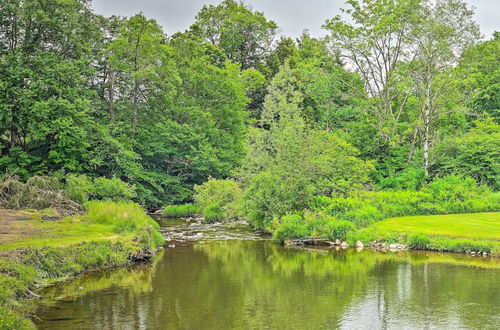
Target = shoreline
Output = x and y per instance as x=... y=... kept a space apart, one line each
x=45 y=256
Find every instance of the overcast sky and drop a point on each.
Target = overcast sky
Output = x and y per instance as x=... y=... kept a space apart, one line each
x=292 y=16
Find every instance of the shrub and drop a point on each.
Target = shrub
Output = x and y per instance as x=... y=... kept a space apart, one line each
x=418 y=242
x=340 y=229
x=446 y=195
x=79 y=188
x=180 y=211
x=113 y=189
x=213 y=213
x=408 y=179
x=290 y=226
x=495 y=251
x=227 y=194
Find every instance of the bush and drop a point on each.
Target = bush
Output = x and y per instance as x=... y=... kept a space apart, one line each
x=340 y=229
x=290 y=226
x=113 y=189
x=408 y=179
x=418 y=242
x=213 y=213
x=226 y=194
x=451 y=194
x=79 y=188
x=180 y=211
x=495 y=251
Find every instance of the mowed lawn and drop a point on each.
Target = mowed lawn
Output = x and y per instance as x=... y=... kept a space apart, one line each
x=38 y=234
x=470 y=226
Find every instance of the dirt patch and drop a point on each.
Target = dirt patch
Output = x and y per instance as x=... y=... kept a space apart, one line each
x=14 y=226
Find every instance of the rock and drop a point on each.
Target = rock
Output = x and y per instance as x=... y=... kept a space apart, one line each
x=485 y=254
x=171 y=246
x=337 y=242
x=393 y=247
x=80 y=288
x=359 y=244
x=198 y=236
x=288 y=242
x=344 y=245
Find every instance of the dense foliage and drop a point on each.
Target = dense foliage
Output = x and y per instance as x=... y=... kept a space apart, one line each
x=394 y=112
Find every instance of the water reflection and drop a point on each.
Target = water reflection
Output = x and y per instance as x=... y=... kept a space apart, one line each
x=261 y=285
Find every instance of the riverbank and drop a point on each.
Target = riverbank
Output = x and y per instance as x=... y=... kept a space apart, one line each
x=471 y=233
x=39 y=248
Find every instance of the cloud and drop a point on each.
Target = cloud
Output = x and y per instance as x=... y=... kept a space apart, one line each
x=292 y=16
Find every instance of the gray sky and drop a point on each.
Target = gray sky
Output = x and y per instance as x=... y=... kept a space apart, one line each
x=292 y=16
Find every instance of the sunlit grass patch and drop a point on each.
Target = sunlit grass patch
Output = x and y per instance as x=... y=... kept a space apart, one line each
x=468 y=226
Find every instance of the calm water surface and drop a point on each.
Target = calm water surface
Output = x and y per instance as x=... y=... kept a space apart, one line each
x=219 y=278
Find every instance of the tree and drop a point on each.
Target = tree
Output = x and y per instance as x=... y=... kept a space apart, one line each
x=289 y=161
x=45 y=94
x=445 y=31
x=374 y=44
x=475 y=154
x=148 y=76
x=244 y=35
x=479 y=75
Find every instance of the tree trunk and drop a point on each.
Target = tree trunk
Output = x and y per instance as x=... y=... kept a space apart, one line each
x=427 y=115
x=136 y=110
x=111 y=94
x=412 y=145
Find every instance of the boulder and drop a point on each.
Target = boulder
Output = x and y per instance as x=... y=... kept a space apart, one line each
x=337 y=242
x=393 y=247
x=344 y=245
x=359 y=244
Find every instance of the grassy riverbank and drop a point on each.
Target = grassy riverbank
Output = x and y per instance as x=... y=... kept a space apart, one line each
x=463 y=233
x=36 y=252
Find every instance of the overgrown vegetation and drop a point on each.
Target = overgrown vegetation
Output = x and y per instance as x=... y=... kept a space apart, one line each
x=118 y=110
x=219 y=199
x=180 y=211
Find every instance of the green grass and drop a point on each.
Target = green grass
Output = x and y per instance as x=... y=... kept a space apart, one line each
x=462 y=233
x=109 y=235
x=180 y=211
x=61 y=233
x=467 y=226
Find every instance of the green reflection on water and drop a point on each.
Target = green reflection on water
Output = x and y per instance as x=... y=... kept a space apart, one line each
x=261 y=285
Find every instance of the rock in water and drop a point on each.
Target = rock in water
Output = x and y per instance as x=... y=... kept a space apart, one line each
x=337 y=242
x=359 y=244
x=344 y=245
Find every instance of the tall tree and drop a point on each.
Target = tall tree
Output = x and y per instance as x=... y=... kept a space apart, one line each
x=374 y=42
x=141 y=59
x=444 y=32
x=244 y=35
x=45 y=95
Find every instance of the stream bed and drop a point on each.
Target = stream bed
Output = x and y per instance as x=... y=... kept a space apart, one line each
x=227 y=277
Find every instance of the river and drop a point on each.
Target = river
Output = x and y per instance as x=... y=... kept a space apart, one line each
x=230 y=278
